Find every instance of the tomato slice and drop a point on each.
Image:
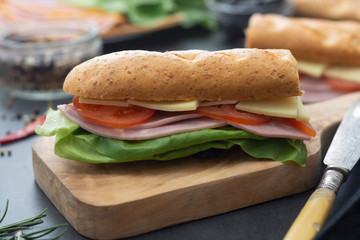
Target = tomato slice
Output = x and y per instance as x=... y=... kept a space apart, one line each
x=305 y=127
x=342 y=85
x=230 y=113
x=113 y=116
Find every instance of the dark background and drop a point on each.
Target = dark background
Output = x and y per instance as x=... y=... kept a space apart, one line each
x=269 y=220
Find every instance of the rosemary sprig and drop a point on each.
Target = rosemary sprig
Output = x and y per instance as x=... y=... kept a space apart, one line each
x=14 y=231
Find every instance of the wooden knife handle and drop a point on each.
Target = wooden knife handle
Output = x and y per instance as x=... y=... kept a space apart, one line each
x=313 y=215
x=316 y=210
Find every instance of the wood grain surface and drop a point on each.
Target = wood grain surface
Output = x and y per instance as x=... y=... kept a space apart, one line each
x=112 y=201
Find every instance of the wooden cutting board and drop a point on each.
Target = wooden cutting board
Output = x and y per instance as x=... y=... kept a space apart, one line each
x=120 y=200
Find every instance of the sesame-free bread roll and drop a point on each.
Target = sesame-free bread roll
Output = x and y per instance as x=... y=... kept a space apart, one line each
x=236 y=74
x=334 y=42
x=329 y=9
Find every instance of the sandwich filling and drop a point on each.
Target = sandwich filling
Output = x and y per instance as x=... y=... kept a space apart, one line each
x=322 y=81
x=103 y=131
x=343 y=78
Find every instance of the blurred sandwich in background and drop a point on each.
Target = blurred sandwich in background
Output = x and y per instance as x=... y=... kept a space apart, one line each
x=328 y=52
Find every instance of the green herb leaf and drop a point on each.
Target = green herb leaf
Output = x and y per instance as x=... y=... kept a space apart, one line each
x=6 y=209
x=16 y=230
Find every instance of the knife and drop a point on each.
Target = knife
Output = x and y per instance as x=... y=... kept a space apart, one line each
x=341 y=157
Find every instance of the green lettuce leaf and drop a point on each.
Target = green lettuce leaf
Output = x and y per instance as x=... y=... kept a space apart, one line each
x=149 y=12
x=73 y=142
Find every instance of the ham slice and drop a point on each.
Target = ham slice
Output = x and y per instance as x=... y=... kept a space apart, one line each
x=164 y=124
x=162 y=118
x=317 y=90
x=277 y=127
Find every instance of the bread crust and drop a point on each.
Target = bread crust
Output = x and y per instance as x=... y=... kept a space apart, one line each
x=334 y=9
x=334 y=42
x=235 y=74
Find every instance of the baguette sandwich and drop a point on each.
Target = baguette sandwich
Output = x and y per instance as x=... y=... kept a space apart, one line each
x=142 y=105
x=325 y=50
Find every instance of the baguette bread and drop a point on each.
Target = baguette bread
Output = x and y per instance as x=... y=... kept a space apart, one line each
x=334 y=9
x=334 y=42
x=237 y=74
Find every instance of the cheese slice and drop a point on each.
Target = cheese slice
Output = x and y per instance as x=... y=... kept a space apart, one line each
x=118 y=103
x=164 y=105
x=282 y=107
x=348 y=73
x=314 y=69
x=302 y=113
x=170 y=106
x=290 y=107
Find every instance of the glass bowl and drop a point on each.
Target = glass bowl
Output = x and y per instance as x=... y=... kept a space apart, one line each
x=35 y=57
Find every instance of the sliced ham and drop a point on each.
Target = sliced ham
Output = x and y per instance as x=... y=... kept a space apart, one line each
x=179 y=122
x=162 y=118
x=186 y=125
x=277 y=127
x=317 y=90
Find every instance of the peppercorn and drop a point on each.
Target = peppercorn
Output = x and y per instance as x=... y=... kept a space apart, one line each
x=19 y=115
x=36 y=110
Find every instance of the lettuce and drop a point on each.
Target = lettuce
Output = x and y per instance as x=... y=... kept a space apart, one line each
x=148 y=12
x=73 y=142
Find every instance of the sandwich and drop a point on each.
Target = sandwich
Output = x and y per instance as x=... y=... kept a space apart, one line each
x=327 y=52
x=145 y=105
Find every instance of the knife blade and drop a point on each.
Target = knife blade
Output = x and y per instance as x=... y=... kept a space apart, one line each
x=341 y=157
